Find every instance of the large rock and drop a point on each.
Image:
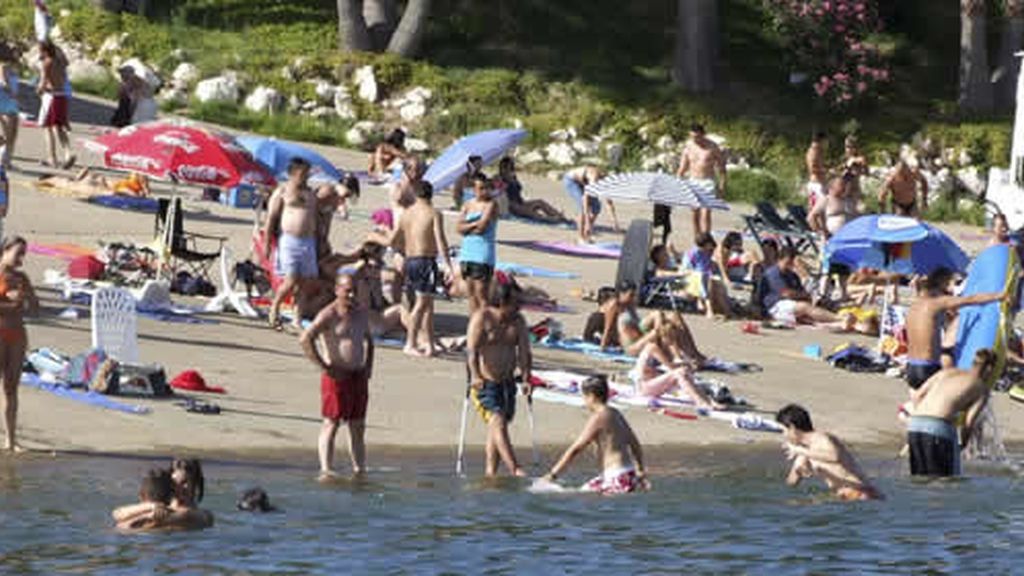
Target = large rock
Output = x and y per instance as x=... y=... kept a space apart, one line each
x=366 y=83
x=586 y=147
x=264 y=100
x=323 y=112
x=145 y=72
x=416 y=145
x=666 y=142
x=561 y=135
x=324 y=90
x=418 y=94
x=413 y=111
x=185 y=75
x=173 y=97
x=218 y=89
x=344 y=109
x=112 y=45
x=972 y=180
x=86 y=70
x=361 y=132
x=530 y=158
x=560 y=154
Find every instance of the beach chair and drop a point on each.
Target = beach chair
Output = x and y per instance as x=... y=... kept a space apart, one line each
x=180 y=250
x=798 y=218
x=635 y=267
x=114 y=320
x=767 y=221
x=227 y=296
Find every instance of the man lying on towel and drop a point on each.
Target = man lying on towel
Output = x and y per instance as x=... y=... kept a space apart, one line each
x=621 y=454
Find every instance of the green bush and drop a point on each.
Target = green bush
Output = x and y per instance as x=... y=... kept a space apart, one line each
x=756 y=186
x=105 y=87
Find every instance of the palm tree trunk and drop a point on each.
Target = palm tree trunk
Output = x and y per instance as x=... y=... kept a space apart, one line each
x=408 y=37
x=1009 y=65
x=975 y=87
x=352 y=33
x=381 y=17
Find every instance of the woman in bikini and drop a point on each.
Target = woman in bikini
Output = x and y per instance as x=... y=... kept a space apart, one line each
x=531 y=209
x=737 y=264
x=624 y=327
x=16 y=298
x=658 y=372
x=385 y=154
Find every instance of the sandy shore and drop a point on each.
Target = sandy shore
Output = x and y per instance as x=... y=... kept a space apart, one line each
x=273 y=400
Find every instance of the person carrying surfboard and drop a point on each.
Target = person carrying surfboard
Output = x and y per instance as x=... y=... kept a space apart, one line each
x=622 y=457
x=926 y=321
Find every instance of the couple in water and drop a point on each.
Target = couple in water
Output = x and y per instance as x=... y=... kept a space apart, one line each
x=168 y=500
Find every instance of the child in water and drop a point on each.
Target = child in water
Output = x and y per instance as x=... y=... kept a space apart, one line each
x=817 y=453
x=622 y=458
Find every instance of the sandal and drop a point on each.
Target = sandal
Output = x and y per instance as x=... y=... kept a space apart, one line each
x=199 y=407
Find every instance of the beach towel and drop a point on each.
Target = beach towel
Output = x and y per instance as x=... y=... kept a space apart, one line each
x=91 y=398
x=62 y=251
x=534 y=271
x=610 y=250
x=130 y=203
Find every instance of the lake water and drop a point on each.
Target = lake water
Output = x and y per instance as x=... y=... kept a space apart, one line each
x=414 y=517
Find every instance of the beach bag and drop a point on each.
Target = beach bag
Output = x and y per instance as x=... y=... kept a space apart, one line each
x=86 y=268
x=144 y=380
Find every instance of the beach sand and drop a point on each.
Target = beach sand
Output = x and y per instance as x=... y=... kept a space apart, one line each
x=273 y=401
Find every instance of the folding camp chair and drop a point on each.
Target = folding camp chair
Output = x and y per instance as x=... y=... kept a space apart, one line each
x=635 y=267
x=114 y=324
x=179 y=250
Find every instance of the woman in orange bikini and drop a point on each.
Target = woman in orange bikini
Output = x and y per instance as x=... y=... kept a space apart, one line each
x=16 y=297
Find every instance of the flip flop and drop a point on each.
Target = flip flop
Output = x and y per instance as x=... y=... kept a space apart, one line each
x=199 y=407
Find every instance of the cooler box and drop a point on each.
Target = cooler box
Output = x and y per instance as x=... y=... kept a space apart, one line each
x=242 y=196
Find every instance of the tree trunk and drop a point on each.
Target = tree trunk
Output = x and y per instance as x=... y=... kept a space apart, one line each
x=975 y=86
x=1009 y=65
x=408 y=37
x=352 y=33
x=381 y=17
x=696 y=49
x=109 y=5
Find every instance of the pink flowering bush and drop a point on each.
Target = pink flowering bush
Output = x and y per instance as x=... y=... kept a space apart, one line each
x=828 y=40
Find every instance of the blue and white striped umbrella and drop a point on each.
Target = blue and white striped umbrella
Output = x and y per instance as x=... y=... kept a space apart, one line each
x=658 y=188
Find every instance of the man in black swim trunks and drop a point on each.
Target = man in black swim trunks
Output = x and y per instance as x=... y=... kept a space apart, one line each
x=420 y=234
x=902 y=185
x=931 y=433
x=498 y=342
x=925 y=322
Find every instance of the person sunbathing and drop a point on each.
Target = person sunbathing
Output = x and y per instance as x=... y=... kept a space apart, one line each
x=623 y=325
x=659 y=371
x=534 y=209
x=86 y=184
x=386 y=153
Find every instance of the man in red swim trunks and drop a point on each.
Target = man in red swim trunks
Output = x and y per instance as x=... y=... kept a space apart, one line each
x=53 y=110
x=343 y=328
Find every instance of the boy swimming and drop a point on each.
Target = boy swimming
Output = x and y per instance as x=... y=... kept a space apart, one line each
x=622 y=458
x=817 y=453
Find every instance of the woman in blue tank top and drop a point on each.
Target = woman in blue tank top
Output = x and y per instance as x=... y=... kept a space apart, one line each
x=478 y=223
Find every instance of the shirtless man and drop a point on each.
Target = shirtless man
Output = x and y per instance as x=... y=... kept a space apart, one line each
x=292 y=220
x=498 y=342
x=421 y=231
x=818 y=453
x=343 y=328
x=53 y=109
x=855 y=165
x=702 y=159
x=403 y=193
x=817 y=174
x=925 y=323
x=902 y=185
x=838 y=208
x=931 y=434
x=620 y=455
x=576 y=182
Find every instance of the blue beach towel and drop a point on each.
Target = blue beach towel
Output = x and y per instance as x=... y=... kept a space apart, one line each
x=534 y=271
x=130 y=203
x=85 y=397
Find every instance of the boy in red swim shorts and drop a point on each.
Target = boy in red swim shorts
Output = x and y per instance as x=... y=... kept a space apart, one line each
x=344 y=329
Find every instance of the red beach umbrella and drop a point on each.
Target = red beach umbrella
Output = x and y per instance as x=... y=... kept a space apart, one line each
x=181 y=152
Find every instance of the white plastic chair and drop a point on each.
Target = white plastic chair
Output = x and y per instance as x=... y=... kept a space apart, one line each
x=114 y=321
x=227 y=294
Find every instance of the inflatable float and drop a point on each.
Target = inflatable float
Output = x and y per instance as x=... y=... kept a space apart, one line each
x=996 y=269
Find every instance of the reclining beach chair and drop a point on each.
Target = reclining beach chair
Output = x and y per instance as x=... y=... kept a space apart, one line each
x=114 y=324
x=768 y=222
x=179 y=250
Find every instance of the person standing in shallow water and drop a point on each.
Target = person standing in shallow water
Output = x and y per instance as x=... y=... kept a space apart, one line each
x=344 y=328
x=16 y=298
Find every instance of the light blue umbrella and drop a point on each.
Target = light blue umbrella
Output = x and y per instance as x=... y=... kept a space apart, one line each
x=276 y=155
x=489 y=145
x=895 y=244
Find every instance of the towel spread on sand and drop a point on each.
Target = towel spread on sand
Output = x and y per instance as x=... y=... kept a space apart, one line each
x=130 y=203
x=619 y=357
x=610 y=250
x=83 y=396
x=63 y=251
x=534 y=271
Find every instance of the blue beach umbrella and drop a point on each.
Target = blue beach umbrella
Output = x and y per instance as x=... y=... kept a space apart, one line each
x=895 y=244
x=276 y=155
x=489 y=145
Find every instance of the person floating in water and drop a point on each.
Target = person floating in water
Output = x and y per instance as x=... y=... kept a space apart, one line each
x=818 y=453
x=931 y=434
x=621 y=456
